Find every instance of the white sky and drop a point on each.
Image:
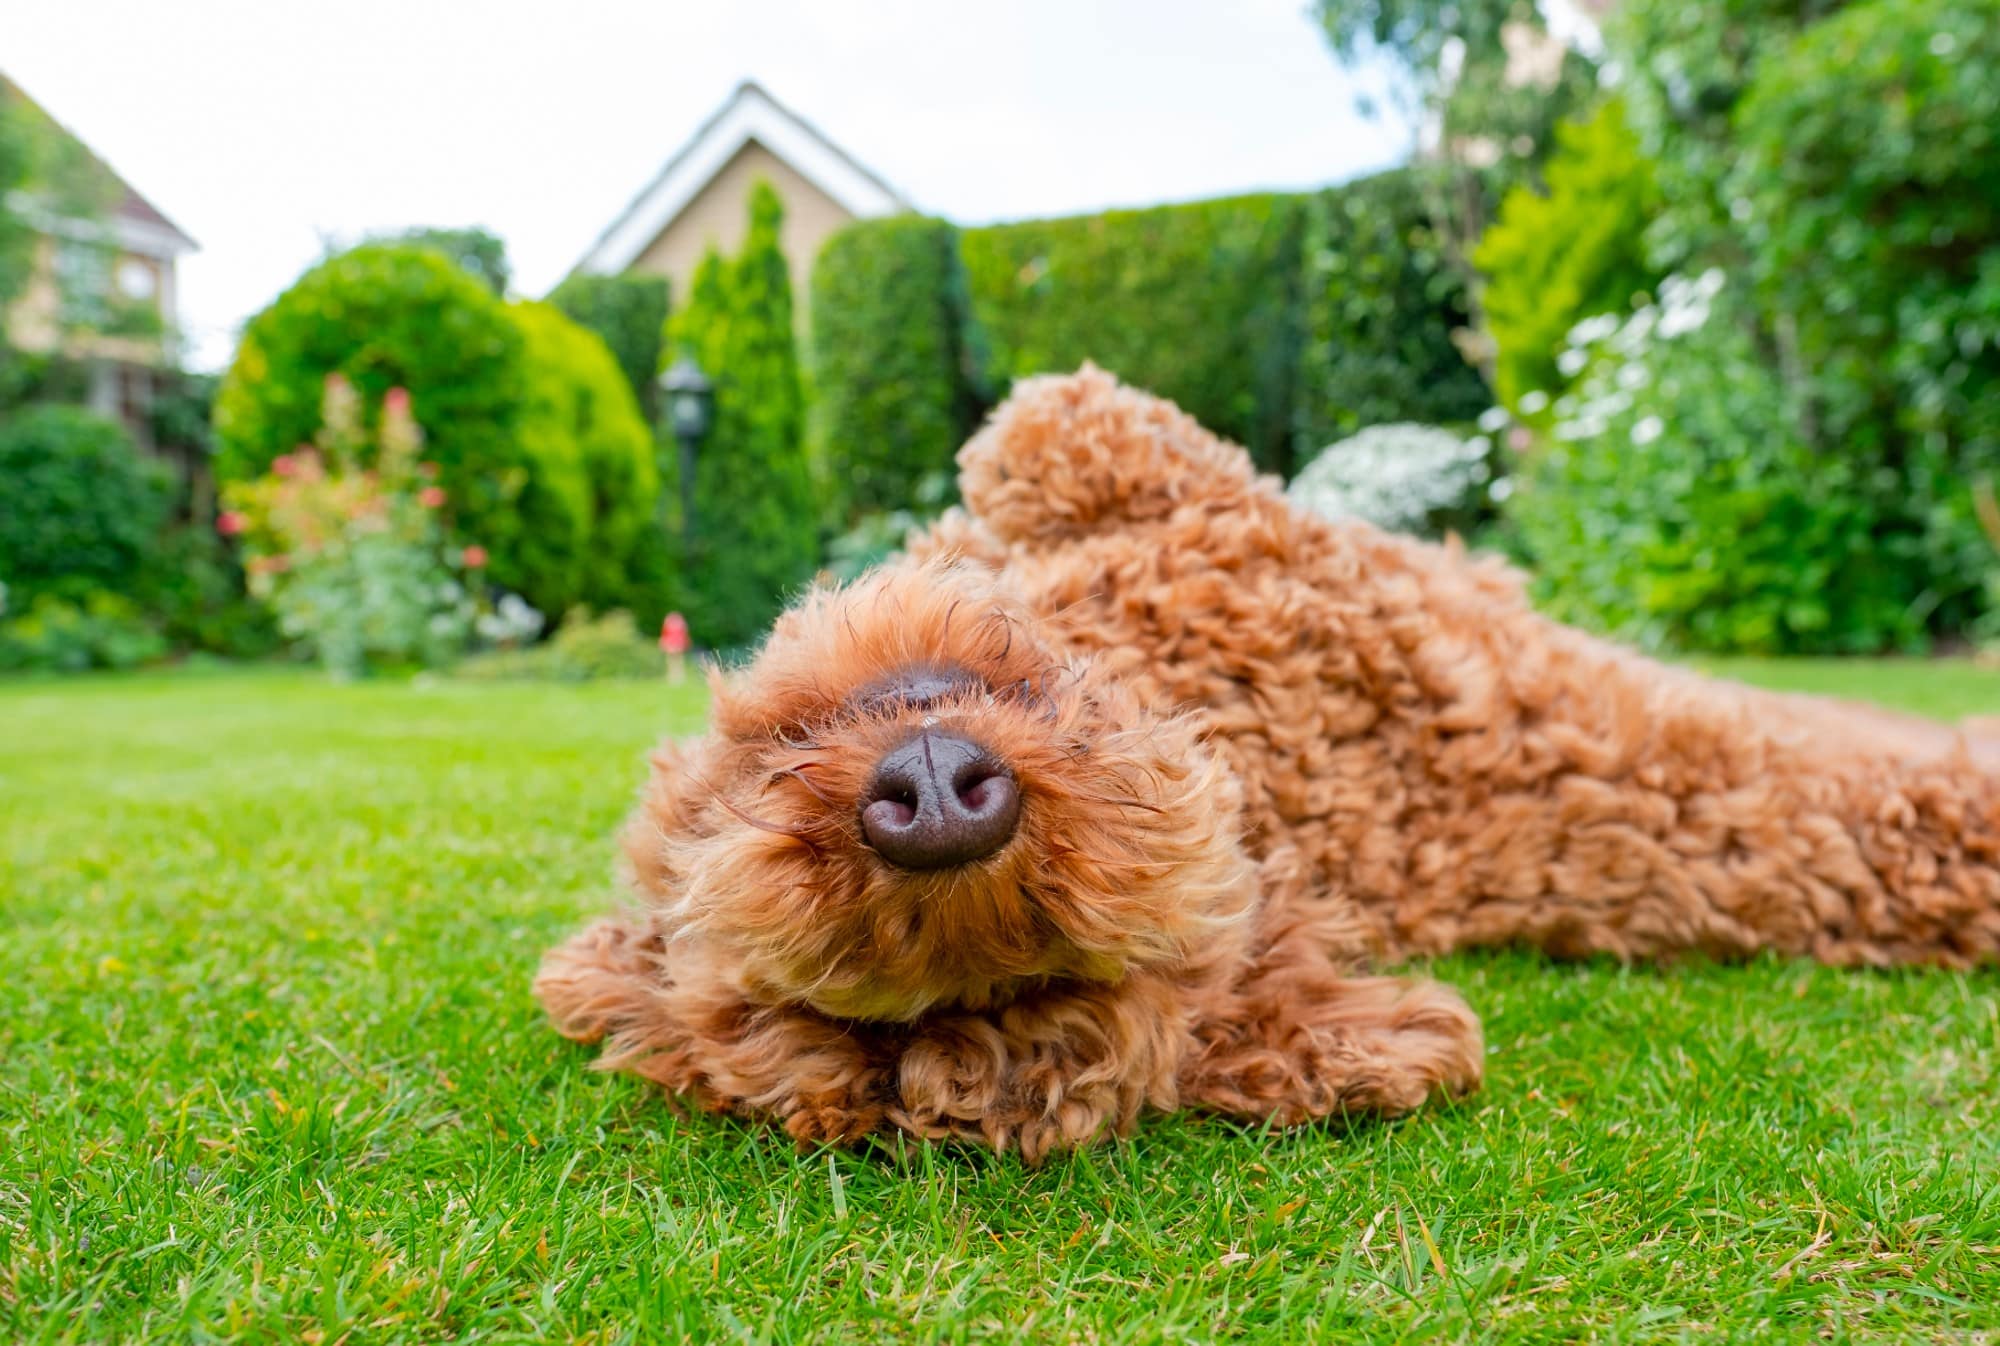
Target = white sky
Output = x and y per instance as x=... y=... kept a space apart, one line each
x=263 y=127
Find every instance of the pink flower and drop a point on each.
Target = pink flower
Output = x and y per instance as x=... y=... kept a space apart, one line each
x=230 y=523
x=284 y=465
x=396 y=402
x=431 y=497
x=473 y=557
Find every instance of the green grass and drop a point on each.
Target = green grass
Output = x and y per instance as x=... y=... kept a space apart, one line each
x=269 y=1070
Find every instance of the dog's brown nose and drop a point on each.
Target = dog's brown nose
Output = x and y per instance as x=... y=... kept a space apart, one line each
x=939 y=800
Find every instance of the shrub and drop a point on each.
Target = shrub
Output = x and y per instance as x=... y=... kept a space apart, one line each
x=480 y=254
x=1199 y=303
x=583 y=649
x=1557 y=257
x=754 y=535
x=589 y=512
x=1382 y=302
x=1406 y=478
x=351 y=557
x=94 y=629
x=82 y=509
x=1678 y=506
x=629 y=313
x=394 y=316
x=897 y=385
x=877 y=535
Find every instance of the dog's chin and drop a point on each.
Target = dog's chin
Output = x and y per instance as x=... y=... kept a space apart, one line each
x=969 y=940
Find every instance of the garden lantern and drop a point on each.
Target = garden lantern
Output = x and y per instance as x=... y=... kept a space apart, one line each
x=689 y=399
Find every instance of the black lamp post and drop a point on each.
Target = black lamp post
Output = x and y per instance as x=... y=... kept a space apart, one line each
x=690 y=404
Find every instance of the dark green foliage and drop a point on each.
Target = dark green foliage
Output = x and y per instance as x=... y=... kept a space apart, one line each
x=1198 y=303
x=1697 y=518
x=1577 y=249
x=584 y=649
x=629 y=312
x=591 y=507
x=194 y=595
x=1382 y=302
x=480 y=253
x=754 y=536
x=38 y=378
x=1839 y=163
x=80 y=508
x=895 y=376
x=91 y=629
x=387 y=316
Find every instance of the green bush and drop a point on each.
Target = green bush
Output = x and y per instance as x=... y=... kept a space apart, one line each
x=1576 y=250
x=1198 y=303
x=94 y=629
x=754 y=537
x=1382 y=301
x=583 y=649
x=590 y=511
x=1678 y=506
x=480 y=254
x=629 y=313
x=82 y=507
x=394 y=316
x=897 y=384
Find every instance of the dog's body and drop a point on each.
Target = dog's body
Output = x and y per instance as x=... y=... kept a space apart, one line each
x=1241 y=754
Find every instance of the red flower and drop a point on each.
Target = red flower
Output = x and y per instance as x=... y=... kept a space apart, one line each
x=473 y=557
x=674 y=634
x=431 y=497
x=229 y=523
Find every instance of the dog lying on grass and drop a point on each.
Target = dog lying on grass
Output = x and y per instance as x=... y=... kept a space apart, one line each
x=1107 y=797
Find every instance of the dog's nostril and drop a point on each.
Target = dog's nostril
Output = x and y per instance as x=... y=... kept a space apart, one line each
x=939 y=800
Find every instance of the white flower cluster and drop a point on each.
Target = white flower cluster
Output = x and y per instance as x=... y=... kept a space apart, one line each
x=1616 y=353
x=1395 y=476
x=512 y=622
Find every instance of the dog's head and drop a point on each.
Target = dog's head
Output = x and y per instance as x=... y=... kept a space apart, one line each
x=911 y=800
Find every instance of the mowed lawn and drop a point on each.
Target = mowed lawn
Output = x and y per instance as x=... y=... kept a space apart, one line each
x=269 y=1070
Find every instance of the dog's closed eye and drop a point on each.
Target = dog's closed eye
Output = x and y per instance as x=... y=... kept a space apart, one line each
x=915 y=687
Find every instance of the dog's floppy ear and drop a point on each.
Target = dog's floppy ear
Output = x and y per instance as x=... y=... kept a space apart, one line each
x=1066 y=454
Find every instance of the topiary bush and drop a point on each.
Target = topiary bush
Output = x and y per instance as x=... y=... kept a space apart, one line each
x=80 y=508
x=629 y=314
x=388 y=316
x=754 y=537
x=1382 y=301
x=894 y=370
x=1574 y=250
x=1198 y=303
x=591 y=509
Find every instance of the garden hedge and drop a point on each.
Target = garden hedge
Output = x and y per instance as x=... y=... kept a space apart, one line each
x=896 y=381
x=81 y=509
x=1281 y=321
x=629 y=313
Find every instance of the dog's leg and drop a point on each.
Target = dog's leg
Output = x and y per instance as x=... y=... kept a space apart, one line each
x=693 y=1034
x=1052 y=1072
x=1298 y=1039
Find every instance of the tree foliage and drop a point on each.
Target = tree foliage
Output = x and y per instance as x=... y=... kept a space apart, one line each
x=480 y=252
x=83 y=509
x=629 y=313
x=754 y=535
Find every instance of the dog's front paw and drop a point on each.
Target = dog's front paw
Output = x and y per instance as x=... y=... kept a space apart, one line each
x=842 y=1121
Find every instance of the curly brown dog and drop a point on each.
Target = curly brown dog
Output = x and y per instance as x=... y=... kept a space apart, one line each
x=1106 y=797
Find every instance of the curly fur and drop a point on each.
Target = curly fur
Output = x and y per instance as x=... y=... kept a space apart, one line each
x=1258 y=754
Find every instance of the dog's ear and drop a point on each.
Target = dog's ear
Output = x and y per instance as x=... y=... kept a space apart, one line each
x=1068 y=454
x=670 y=805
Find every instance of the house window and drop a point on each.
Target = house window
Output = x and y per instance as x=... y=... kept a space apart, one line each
x=137 y=280
x=83 y=275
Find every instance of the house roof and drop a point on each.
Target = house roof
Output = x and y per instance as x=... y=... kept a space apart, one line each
x=139 y=224
x=748 y=114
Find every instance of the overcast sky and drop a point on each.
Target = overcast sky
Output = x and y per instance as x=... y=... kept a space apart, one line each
x=263 y=127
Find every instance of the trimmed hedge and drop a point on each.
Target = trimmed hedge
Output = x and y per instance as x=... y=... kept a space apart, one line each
x=1282 y=322
x=83 y=509
x=1382 y=302
x=387 y=316
x=629 y=312
x=895 y=378
x=1198 y=303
